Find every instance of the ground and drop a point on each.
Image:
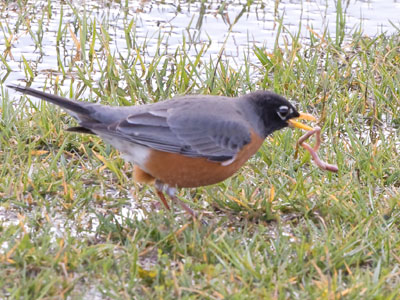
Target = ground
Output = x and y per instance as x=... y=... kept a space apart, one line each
x=74 y=225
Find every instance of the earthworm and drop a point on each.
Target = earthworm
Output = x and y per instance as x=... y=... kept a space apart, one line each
x=313 y=150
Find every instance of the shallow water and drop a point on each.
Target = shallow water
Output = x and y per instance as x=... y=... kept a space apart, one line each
x=230 y=25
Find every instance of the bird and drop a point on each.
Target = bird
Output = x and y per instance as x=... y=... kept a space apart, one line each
x=184 y=142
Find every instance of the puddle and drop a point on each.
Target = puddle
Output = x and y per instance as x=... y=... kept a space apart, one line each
x=198 y=24
x=85 y=222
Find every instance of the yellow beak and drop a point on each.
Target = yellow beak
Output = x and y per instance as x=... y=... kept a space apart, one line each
x=303 y=116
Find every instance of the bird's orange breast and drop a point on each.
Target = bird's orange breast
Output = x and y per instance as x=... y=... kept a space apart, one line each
x=183 y=171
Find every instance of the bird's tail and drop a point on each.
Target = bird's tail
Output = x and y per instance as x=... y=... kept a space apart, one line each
x=80 y=108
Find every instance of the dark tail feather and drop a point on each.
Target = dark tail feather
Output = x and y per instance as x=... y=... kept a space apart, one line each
x=80 y=129
x=68 y=104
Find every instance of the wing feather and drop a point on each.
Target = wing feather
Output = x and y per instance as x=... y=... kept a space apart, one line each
x=198 y=133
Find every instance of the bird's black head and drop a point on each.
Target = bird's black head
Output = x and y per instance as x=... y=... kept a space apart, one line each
x=274 y=110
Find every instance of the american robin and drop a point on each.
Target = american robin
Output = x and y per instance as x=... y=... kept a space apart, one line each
x=188 y=141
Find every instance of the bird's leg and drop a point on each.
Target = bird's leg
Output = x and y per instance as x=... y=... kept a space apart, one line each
x=171 y=192
x=159 y=190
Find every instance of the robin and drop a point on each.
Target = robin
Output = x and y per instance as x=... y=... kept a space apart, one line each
x=187 y=141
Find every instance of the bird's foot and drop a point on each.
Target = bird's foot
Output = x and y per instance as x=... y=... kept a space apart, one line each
x=171 y=192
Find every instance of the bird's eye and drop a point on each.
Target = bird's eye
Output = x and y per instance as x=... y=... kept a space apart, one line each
x=283 y=112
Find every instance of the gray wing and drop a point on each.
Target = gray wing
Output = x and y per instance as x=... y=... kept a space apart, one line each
x=210 y=133
x=194 y=133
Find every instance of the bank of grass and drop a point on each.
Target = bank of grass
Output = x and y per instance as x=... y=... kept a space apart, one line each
x=281 y=228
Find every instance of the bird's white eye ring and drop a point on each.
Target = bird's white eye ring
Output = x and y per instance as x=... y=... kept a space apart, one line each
x=283 y=112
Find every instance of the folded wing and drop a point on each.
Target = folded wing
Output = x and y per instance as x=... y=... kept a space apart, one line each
x=194 y=133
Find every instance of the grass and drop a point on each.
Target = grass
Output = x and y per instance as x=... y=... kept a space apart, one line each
x=281 y=228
